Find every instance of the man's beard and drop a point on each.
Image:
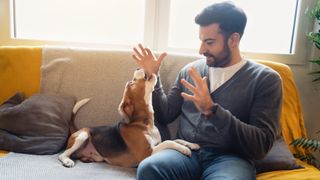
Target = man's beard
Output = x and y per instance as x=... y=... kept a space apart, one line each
x=220 y=60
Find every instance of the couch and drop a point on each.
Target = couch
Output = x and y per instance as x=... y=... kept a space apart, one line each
x=21 y=70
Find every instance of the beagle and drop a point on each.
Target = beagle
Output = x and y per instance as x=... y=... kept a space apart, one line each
x=129 y=141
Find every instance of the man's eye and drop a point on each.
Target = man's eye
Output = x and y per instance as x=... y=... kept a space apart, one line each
x=210 y=42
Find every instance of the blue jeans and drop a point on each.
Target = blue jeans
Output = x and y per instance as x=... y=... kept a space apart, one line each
x=203 y=164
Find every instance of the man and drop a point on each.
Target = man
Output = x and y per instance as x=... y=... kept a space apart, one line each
x=230 y=106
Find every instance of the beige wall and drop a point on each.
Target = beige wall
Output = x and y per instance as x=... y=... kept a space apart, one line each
x=310 y=98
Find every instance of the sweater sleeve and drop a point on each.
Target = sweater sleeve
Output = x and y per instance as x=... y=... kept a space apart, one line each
x=167 y=107
x=255 y=138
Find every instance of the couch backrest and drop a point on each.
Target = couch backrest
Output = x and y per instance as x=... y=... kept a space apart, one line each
x=102 y=74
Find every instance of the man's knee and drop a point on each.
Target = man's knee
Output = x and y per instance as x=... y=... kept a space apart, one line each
x=149 y=169
x=167 y=164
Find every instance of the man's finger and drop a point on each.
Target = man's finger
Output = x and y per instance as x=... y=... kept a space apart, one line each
x=187 y=96
x=195 y=76
x=136 y=59
x=188 y=85
x=204 y=80
x=162 y=56
x=149 y=53
x=137 y=53
x=142 y=49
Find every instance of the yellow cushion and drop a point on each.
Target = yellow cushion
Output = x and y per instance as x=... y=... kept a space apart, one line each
x=309 y=172
x=3 y=153
x=19 y=70
x=292 y=122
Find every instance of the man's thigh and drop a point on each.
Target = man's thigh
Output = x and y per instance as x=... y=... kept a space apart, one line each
x=169 y=164
x=229 y=167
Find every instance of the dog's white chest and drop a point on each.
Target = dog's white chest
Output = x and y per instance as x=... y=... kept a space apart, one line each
x=153 y=136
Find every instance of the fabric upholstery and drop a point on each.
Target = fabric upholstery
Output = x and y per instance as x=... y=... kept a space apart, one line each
x=307 y=173
x=88 y=73
x=3 y=153
x=278 y=158
x=36 y=125
x=291 y=120
x=19 y=70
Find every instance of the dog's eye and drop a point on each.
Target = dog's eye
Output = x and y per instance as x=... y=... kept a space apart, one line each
x=131 y=83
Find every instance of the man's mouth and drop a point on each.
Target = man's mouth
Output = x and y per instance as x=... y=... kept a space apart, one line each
x=209 y=58
x=208 y=55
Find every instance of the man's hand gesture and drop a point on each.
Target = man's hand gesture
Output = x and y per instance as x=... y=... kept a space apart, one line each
x=201 y=96
x=146 y=59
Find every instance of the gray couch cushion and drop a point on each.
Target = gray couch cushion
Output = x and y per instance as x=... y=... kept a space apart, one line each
x=37 y=125
x=278 y=158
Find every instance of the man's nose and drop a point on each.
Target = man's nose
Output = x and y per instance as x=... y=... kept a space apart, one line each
x=202 y=49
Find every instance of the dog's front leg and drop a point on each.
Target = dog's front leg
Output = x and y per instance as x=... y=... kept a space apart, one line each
x=168 y=144
x=65 y=156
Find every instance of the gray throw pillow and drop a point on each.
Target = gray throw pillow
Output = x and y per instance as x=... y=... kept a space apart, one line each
x=278 y=158
x=36 y=125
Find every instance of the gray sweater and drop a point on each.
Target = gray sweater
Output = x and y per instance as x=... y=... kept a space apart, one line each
x=247 y=118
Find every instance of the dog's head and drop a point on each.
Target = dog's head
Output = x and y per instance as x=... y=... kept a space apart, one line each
x=136 y=102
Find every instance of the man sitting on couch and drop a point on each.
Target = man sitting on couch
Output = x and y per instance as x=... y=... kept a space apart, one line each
x=230 y=106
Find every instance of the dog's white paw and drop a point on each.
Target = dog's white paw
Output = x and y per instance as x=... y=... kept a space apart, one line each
x=185 y=150
x=67 y=162
x=193 y=146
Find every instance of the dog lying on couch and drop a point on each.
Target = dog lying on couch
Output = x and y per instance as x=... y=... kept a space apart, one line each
x=129 y=141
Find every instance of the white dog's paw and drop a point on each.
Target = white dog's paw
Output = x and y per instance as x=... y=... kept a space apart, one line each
x=67 y=162
x=185 y=150
x=193 y=146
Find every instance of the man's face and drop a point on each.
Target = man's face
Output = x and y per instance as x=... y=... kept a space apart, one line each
x=214 y=46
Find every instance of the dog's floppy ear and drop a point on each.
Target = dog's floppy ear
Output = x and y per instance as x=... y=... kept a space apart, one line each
x=126 y=107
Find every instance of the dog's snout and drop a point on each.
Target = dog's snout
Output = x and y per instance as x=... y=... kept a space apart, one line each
x=139 y=74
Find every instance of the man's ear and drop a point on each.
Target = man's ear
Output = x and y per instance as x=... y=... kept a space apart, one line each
x=126 y=109
x=234 y=40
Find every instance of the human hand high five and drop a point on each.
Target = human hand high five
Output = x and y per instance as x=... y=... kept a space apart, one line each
x=201 y=96
x=146 y=59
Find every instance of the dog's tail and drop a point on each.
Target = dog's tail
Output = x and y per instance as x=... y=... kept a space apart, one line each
x=77 y=106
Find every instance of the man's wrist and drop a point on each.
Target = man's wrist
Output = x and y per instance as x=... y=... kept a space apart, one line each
x=211 y=111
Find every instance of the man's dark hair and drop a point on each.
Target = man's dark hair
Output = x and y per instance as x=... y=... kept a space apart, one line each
x=230 y=18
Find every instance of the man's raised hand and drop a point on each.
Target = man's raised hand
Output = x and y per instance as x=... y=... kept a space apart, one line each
x=200 y=92
x=146 y=59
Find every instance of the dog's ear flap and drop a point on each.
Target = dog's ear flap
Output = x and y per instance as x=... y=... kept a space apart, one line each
x=126 y=108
